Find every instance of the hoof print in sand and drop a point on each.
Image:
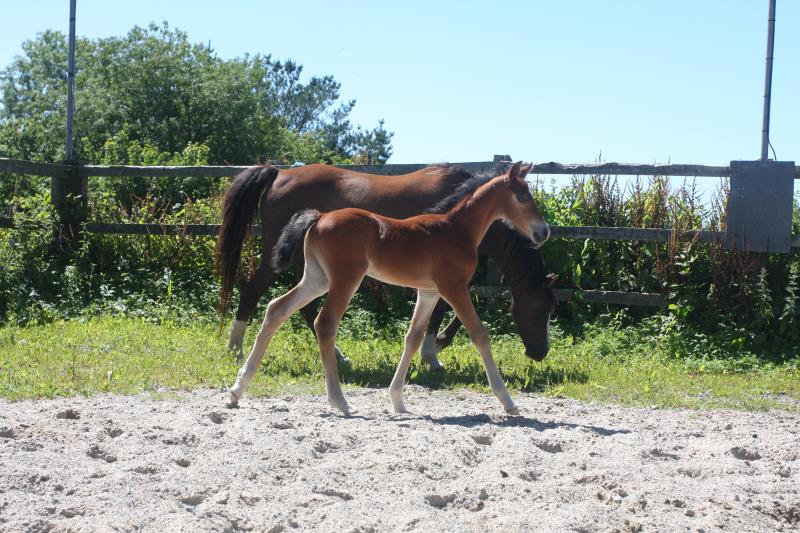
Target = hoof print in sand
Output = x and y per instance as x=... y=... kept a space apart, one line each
x=484 y=440
x=332 y=492
x=217 y=417
x=68 y=414
x=660 y=454
x=548 y=446
x=438 y=501
x=72 y=512
x=96 y=452
x=745 y=454
x=146 y=469
x=113 y=432
x=249 y=498
x=193 y=499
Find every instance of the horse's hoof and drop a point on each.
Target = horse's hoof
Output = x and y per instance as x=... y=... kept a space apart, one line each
x=513 y=411
x=343 y=407
x=432 y=361
x=428 y=352
x=399 y=409
x=435 y=366
x=342 y=358
x=233 y=401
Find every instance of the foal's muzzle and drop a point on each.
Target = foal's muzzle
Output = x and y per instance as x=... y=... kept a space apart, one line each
x=540 y=232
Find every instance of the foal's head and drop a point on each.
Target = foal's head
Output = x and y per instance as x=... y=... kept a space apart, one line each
x=519 y=208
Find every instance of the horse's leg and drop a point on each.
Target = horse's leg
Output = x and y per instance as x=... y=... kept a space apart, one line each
x=313 y=285
x=309 y=313
x=429 y=348
x=426 y=301
x=446 y=336
x=327 y=323
x=462 y=305
x=251 y=293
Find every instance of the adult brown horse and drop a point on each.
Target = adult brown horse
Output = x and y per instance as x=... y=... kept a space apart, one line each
x=281 y=194
x=436 y=254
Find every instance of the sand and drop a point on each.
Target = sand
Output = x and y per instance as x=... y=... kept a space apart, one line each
x=183 y=462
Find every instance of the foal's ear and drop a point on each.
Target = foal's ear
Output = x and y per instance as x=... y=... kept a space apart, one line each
x=514 y=171
x=525 y=170
x=550 y=280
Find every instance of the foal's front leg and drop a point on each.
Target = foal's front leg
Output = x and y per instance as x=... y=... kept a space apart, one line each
x=462 y=305
x=426 y=300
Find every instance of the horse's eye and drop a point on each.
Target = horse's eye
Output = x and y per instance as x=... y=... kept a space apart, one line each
x=521 y=198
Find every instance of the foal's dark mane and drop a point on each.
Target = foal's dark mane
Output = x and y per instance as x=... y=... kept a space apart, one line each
x=469 y=184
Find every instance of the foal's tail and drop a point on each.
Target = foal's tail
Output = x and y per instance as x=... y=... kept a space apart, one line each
x=291 y=237
x=239 y=207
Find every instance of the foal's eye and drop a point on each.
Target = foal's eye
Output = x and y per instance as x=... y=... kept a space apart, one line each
x=521 y=198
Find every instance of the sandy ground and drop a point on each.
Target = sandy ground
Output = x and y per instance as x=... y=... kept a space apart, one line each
x=276 y=464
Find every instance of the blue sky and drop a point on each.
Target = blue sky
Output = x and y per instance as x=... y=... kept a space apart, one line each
x=639 y=81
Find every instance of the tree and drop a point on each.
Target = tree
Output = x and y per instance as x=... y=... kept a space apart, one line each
x=154 y=88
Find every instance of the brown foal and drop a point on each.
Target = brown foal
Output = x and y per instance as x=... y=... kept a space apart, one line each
x=435 y=254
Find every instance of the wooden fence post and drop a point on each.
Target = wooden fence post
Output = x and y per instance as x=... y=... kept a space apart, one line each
x=69 y=194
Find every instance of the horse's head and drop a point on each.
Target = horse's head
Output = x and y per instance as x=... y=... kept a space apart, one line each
x=519 y=207
x=531 y=308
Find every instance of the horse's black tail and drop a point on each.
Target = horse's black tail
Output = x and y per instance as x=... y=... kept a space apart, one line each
x=239 y=207
x=291 y=238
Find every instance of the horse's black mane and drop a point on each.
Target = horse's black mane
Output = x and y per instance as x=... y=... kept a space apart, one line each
x=469 y=183
x=524 y=262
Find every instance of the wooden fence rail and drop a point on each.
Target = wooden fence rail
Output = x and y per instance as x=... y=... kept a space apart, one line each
x=619 y=169
x=69 y=174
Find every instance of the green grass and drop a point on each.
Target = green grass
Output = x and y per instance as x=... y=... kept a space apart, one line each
x=629 y=366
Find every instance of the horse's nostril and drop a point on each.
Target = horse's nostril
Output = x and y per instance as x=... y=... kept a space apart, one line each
x=542 y=235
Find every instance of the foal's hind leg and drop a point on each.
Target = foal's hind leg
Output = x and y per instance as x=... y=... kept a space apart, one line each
x=313 y=285
x=309 y=312
x=459 y=299
x=426 y=300
x=327 y=323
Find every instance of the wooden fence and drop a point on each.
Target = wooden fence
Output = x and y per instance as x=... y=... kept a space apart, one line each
x=71 y=181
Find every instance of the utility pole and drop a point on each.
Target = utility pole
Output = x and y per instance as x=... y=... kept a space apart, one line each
x=69 y=189
x=71 y=81
x=768 y=80
x=759 y=211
